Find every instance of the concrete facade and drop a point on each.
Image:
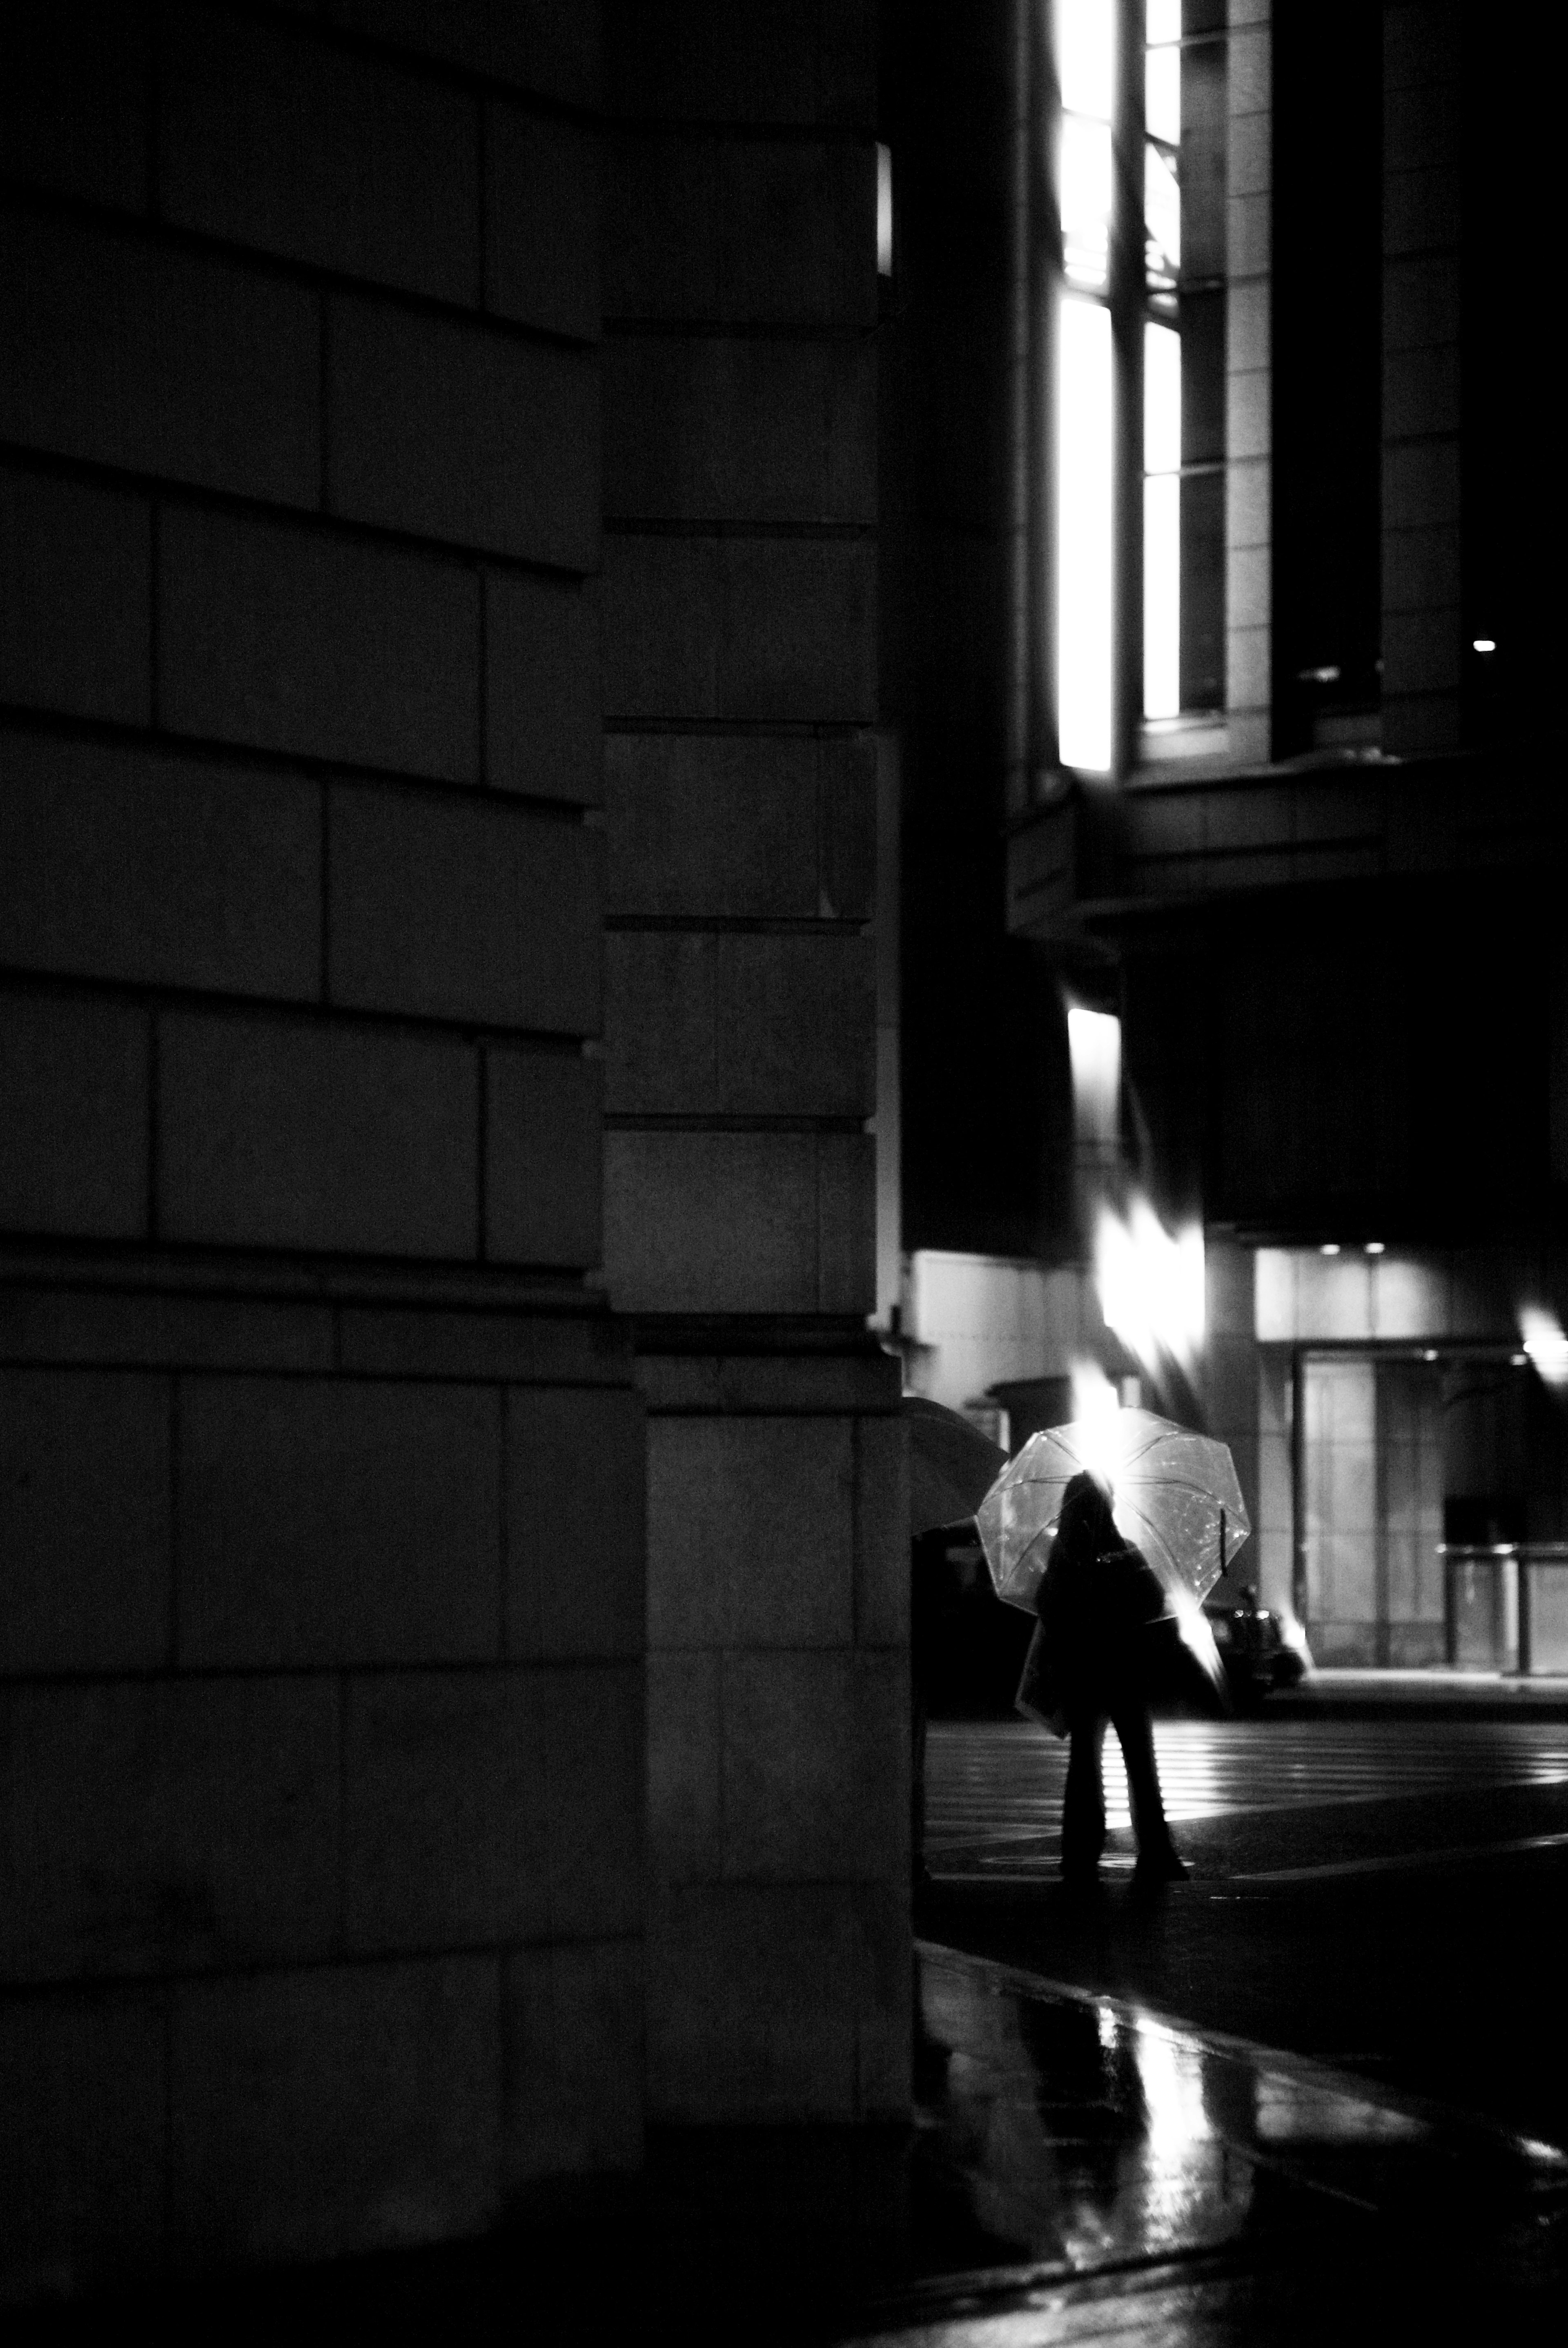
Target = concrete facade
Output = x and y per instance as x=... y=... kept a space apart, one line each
x=331 y=1316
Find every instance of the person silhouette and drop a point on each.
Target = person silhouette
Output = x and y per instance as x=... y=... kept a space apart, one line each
x=1098 y=1602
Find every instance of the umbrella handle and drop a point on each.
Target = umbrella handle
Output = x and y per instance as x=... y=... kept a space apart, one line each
x=1221 y=1541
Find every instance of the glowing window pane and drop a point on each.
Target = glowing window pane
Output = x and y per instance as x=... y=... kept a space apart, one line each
x=1162 y=216
x=1162 y=400
x=1084 y=513
x=1162 y=522
x=1162 y=21
x=1086 y=54
x=1162 y=95
x=1088 y=188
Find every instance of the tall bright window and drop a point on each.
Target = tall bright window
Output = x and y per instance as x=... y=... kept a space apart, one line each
x=1136 y=387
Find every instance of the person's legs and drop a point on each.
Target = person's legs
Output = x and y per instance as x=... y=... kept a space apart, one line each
x=1135 y=1733
x=1083 y=1803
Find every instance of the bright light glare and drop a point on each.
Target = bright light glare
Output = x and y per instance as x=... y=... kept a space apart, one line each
x=1086 y=56
x=1096 y=1409
x=885 y=211
x=1084 y=579
x=1162 y=21
x=1162 y=92
x=1150 y=1286
x=1483 y=645
x=1545 y=1343
x=1162 y=522
x=1162 y=216
x=1088 y=193
x=1094 y=1048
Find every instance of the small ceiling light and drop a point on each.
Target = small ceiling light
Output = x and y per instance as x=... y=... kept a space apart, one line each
x=1520 y=1361
x=1329 y=1247
x=1484 y=644
x=1375 y=1247
x=1430 y=1354
x=1329 y=675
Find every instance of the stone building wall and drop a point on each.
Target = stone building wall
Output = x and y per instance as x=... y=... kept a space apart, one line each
x=740 y=691
x=321 y=1460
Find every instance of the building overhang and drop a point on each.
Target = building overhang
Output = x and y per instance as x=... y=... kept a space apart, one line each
x=1089 y=857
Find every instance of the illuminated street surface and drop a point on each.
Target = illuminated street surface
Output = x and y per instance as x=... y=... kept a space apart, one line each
x=1320 y=2084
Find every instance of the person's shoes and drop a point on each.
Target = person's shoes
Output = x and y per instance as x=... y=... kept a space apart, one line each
x=1081 y=1878
x=1159 y=1867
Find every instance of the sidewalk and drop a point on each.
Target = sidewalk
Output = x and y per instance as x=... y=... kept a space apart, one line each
x=1081 y=2167
x=1420 y=1696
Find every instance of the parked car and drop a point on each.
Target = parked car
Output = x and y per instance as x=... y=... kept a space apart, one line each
x=1260 y=1651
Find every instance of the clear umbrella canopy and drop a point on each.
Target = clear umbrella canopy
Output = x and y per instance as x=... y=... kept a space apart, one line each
x=1176 y=1495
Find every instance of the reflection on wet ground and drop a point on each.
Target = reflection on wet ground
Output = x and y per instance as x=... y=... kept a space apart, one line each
x=1104 y=2158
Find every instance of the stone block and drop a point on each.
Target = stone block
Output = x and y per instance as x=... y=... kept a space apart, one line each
x=1423 y=651
x=454 y=431
x=685 y=1745
x=303 y=641
x=660 y=254
x=798 y=62
x=1421 y=568
x=846 y=1223
x=1249 y=423
x=1249 y=222
x=445 y=1799
x=344 y=2108
x=1248 y=328
x=1250 y=59
x=595 y=1745
x=103 y=1328
x=797 y=630
x=85 y=1500
x=153 y=1824
x=73 y=1116
x=750 y=1532
x=462 y=910
x=816 y=1767
x=661 y=600
x=758 y=1996
x=1247 y=656
x=268 y=136
x=1249 y=586
x=1421 y=484
x=1249 y=155
x=515 y=1343
x=83 y=2083
x=744 y=430
x=796 y=1025
x=118 y=863
x=575 y=1511
x=74 y=101
x=1421 y=392
x=1421 y=298
x=711 y=1222
x=882 y=1533
x=847 y=828
x=1249 y=507
x=1423 y=127
x=75 y=599
x=177 y=364
x=533 y=45
x=543 y=1159
x=740 y=628
x=573 y=2061
x=662 y=1021
x=324 y=1522
x=542 y=217
x=274 y=1133
x=543 y=686
x=709 y=824
x=1421 y=211
x=796 y=229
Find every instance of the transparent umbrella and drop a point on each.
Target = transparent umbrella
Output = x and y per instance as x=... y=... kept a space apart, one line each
x=1176 y=1496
